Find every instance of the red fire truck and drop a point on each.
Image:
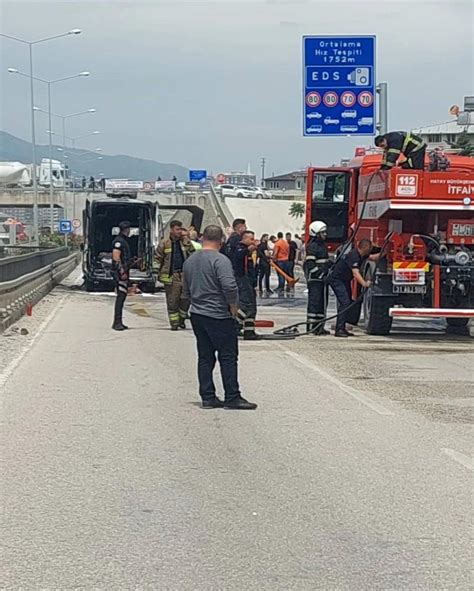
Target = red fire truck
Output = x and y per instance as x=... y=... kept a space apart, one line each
x=424 y=221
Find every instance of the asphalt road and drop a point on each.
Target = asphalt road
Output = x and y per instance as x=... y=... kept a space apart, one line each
x=354 y=472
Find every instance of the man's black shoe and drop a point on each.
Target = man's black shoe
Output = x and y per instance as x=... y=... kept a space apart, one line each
x=251 y=336
x=174 y=327
x=182 y=325
x=240 y=404
x=119 y=327
x=213 y=403
x=349 y=334
x=341 y=333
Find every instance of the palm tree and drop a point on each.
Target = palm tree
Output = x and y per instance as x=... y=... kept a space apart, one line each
x=464 y=145
x=297 y=210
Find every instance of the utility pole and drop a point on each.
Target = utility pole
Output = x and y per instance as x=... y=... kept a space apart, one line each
x=263 y=162
x=382 y=91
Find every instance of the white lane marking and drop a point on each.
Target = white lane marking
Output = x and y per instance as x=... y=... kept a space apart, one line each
x=459 y=457
x=378 y=408
x=10 y=368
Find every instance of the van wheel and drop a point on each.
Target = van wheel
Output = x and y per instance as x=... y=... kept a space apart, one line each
x=89 y=285
x=376 y=314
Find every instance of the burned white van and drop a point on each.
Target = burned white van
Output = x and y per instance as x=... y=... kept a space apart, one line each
x=101 y=219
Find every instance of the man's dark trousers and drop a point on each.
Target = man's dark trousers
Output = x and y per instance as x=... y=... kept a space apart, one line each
x=416 y=160
x=216 y=336
x=247 y=304
x=342 y=291
x=285 y=268
x=121 y=287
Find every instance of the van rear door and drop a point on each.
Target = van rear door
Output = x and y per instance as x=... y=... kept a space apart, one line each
x=86 y=223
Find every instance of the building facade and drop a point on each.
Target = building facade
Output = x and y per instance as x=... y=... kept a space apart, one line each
x=291 y=181
x=445 y=134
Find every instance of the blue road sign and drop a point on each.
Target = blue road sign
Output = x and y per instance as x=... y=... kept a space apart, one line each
x=339 y=85
x=197 y=175
x=65 y=226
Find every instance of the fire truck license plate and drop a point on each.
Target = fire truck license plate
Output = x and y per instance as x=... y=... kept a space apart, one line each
x=409 y=288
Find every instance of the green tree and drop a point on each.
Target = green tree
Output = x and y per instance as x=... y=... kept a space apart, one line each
x=464 y=145
x=297 y=210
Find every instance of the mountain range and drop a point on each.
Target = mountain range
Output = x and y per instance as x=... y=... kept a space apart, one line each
x=85 y=163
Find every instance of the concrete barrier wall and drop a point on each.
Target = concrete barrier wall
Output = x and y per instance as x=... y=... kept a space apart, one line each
x=266 y=216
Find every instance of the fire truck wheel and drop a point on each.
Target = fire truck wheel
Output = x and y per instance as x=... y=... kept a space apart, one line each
x=376 y=314
x=457 y=322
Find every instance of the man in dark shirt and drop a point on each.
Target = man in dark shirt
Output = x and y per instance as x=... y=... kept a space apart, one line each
x=239 y=226
x=245 y=271
x=264 y=269
x=348 y=268
x=121 y=257
x=291 y=257
x=210 y=284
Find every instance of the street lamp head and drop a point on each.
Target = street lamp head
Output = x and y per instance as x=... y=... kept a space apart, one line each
x=74 y=32
x=84 y=73
x=100 y=158
x=95 y=132
x=60 y=150
x=91 y=110
x=98 y=149
x=13 y=70
x=36 y=109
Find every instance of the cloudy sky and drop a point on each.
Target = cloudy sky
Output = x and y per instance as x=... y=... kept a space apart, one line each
x=217 y=84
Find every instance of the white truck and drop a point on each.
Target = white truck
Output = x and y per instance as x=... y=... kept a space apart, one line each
x=17 y=174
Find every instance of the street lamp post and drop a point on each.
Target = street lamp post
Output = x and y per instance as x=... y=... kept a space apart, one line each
x=67 y=155
x=33 y=135
x=49 y=83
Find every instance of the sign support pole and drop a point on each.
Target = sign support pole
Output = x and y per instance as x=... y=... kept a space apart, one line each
x=382 y=91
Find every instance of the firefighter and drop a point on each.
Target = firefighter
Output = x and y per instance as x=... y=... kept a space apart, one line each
x=245 y=270
x=239 y=226
x=316 y=267
x=402 y=142
x=170 y=256
x=347 y=268
x=121 y=259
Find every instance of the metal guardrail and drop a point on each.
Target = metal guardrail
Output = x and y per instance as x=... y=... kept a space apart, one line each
x=29 y=288
x=21 y=260
x=221 y=210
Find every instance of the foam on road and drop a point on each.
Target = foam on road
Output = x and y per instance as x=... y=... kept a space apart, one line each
x=115 y=478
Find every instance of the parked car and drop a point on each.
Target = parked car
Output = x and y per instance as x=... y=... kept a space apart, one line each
x=349 y=114
x=314 y=115
x=246 y=192
x=227 y=190
x=257 y=192
x=315 y=129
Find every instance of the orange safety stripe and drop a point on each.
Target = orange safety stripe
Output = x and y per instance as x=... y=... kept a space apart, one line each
x=411 y=265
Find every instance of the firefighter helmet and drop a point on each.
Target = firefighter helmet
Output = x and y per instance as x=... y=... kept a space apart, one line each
x=317 y=227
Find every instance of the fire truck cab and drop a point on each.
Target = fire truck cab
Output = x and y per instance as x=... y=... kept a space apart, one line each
x=422 y=221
